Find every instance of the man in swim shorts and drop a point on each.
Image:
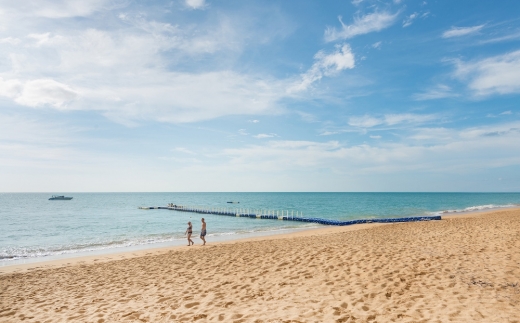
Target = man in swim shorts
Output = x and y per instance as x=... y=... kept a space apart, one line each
x=203 y=232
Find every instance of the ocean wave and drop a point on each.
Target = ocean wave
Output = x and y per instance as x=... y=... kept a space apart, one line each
x=475 y=208
x=28 y=252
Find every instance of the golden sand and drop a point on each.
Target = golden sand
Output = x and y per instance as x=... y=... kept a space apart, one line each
x=460 y=269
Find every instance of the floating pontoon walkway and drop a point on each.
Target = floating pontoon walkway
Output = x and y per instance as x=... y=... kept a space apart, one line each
x=284 y=215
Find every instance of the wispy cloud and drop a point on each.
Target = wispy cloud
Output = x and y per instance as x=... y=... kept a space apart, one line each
x=365 y=121
x=330 y=133
x=196 y=4
x=499 y=39
x=409 y=20
x=326 y=65
x=505 y=113
x=62 y=8
x=377 y=45
x=368 y=121
x=440 y=91
x=431 y=149
x=373 y=22
x=493 y=75
x=184 y=151
x=461 y=31
x=265 y=135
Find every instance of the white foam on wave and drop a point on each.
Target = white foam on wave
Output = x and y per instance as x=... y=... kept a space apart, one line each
x=24 y=253
x=476 y=208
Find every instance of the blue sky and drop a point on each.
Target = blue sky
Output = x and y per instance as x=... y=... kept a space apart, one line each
x=202 y=95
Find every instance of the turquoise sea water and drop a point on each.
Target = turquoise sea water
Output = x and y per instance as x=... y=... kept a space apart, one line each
x=31 y=226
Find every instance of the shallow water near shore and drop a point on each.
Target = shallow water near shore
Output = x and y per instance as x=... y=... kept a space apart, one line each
x=33 y=227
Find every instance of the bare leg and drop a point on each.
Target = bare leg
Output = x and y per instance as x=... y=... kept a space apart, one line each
x=203 y=239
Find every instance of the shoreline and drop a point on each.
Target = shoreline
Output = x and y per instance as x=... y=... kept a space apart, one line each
x=104 y=255
x=115 y=254
x=139 y=249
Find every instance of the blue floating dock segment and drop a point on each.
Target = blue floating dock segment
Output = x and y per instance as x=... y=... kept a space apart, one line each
x=271 y=216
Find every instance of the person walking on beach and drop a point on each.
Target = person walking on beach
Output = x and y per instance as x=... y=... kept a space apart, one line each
x=203 y=232
x=189 y=231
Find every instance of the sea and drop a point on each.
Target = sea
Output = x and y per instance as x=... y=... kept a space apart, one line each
x=34 y=228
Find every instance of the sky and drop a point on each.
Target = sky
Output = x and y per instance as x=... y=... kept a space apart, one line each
x=233 y=96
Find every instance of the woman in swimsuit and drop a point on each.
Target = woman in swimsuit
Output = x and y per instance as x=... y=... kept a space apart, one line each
x=189 y=231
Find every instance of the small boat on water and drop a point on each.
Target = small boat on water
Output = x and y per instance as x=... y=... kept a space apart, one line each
x=60 y=197
x=234 y=202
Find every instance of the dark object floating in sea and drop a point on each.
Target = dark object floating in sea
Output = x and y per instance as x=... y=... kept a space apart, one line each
x=234 y=202
x=60 y=198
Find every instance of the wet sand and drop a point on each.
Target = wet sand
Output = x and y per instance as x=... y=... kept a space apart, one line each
x=461 y=269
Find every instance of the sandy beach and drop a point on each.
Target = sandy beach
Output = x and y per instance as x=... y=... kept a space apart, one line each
x=461 y=269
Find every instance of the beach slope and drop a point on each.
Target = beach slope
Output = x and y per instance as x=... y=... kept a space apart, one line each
x=460 y=269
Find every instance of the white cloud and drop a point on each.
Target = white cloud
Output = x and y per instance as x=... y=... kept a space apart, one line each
x=58 y=8
x=10 y=88
x=375 y=137
x=499 y=130
x=326 y=65
x=368 y=121
x=196 y=4
x=254 y=121
x=393 y=119
x=356 y=2
x=187 y=97
x=432 y=150
x=377 y=45
x=461 y=31
x=280 y=154
x=125 y=75
x=36 y=93
x=506 y=113
x=224 y=35
x=135 y=68
x=184 y=151
x=436 y=135
x=329 y=133
x=45 y=39
x=362 y=25
x=307 y=117
x=440 y=91
x=494 y=75
x=365 y=121
x=10 y=40
x=265 y=135
x=409 y=20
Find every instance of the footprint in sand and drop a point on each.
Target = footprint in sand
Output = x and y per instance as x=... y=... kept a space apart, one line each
x=190 y=305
